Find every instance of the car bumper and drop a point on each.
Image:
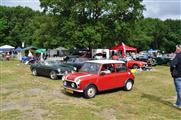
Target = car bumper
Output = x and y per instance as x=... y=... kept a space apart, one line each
x=80 y=91
x=60 y=74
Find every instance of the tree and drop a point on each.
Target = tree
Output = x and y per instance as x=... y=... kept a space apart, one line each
x=87 y=21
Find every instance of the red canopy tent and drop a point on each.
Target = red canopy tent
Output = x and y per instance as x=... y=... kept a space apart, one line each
x=120 y=47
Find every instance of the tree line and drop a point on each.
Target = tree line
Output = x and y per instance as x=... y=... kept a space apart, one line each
x=87 y=24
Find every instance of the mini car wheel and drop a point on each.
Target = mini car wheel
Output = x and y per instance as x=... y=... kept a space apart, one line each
x=129 y=85
x=135 y=66
x=90 y=91
x=53 y=75
x=34 y=72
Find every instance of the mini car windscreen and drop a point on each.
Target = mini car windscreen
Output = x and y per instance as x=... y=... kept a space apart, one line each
x=92 y=68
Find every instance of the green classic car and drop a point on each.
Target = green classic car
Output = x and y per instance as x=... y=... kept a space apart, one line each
x=52 y=69
x=163 y=60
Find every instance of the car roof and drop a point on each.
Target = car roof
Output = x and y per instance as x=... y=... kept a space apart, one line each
x=105 y=61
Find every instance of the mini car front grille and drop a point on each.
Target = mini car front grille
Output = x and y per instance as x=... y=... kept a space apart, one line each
x=69 y=84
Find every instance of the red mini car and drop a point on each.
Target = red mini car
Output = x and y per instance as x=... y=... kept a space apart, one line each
x=99 y=75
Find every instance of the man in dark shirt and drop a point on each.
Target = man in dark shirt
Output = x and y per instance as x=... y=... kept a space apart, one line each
x=175 y=69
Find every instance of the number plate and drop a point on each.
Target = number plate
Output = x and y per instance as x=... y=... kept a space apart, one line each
x=69 y=91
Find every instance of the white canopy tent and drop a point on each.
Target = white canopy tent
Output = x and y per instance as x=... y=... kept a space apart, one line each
x=6 y=48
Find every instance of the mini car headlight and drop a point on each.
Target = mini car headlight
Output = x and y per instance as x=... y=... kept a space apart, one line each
x=59 y=70
x=73 y=85
x=65 y=83
x=77 y=81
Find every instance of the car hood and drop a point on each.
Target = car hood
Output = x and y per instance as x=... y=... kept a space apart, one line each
x=78 y=75
x=136 y=61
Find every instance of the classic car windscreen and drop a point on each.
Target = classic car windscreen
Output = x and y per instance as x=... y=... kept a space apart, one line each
x=51 y=63
x=92 y=68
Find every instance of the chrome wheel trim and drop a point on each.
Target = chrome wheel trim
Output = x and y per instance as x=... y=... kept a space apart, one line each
x=34 y=72
x=129 y=85
x=52 y=75
x=91 y=92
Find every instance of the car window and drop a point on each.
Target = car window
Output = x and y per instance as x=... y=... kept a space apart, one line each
x=80 y=60
x=121 y=67
x=71 y=60
x=90 y=68
x=107 y=68
x=51 y=62
x=42 y=63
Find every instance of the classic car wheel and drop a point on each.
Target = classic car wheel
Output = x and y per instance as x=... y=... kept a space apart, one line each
x=90 y=91
x=53 y=75
x=129 y=85
x=34 y=72
x=135 y=66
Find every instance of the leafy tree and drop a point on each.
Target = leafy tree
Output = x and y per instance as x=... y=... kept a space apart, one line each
x=86 y=21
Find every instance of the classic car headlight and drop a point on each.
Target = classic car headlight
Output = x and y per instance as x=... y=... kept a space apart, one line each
x=59 y=70
x=77 y=81
x=75 y=68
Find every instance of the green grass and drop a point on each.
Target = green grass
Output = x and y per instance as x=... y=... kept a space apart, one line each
x=24 y=96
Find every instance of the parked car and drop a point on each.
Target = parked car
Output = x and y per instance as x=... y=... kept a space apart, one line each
x=52 y=69
x=163 y=60
x=99 y=75
x=76 y=62
x=145 y=58
x=135 y=64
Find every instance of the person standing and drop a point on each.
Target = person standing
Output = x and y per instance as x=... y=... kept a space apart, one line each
x=175 y=68
x=7 y=56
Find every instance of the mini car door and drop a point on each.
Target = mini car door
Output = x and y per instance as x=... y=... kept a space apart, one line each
x=107 y=78
x=121 y=74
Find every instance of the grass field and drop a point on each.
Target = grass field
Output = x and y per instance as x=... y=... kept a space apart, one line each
x=24 y=96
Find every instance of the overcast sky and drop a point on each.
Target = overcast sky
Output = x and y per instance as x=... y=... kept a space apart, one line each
x=163 y=9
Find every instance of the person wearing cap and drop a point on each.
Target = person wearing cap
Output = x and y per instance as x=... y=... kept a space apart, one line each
x=175 y=68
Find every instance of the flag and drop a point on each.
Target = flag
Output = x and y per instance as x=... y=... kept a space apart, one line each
x=124 y=50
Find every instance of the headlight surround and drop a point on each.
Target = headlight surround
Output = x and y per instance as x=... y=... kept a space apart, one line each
x=63 y=78
x=75 y=68
x=73 y=85
x=66 y=72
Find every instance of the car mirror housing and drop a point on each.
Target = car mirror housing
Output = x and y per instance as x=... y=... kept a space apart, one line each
x=102 y=73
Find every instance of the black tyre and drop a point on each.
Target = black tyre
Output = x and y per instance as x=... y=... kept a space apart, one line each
x=34 y=72
x=53 y=75
x=90 y=91
x=129 y=85
x=135 y=66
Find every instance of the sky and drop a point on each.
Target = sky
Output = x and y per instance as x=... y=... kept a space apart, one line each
x=163 y=9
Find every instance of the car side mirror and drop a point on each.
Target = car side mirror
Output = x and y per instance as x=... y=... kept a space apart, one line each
x=102 y=73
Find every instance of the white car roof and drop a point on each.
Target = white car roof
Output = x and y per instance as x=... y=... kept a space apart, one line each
x=105 y=61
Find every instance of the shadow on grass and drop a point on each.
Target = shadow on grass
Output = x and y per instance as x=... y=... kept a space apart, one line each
x=75 y=94
x=110 y=91
x=48 y=77
x=158 y=99
x=80 y=95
